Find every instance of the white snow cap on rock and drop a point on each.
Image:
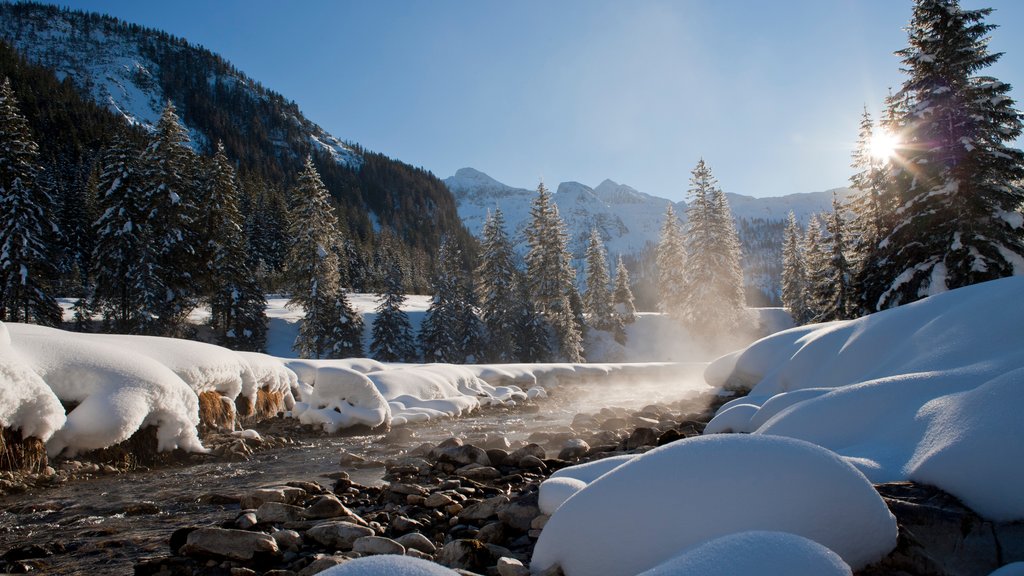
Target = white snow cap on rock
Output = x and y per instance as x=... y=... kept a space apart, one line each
x=388 y=565
x=686 y=493
x=271 y=374
x=756 y=553
x=931 y=391
x=27 y=404
x=339 y=398
x=118 y=391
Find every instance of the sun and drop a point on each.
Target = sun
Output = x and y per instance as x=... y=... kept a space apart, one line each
x=883 y=145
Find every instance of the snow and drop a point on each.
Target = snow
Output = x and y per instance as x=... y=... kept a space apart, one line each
x=1014 y=569
x=755 y=553
x=417 y=393
x=117 y=390
x=388 y=565
x=661 y=503
x=337 y=397
x=270 y=374
x=26 y=403
x=929 y=392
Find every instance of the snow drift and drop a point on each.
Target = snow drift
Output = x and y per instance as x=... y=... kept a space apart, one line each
x=27 y=404
x=930 y=391
x=657 y=505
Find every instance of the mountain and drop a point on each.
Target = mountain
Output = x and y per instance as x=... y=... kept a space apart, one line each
x=132 y=71
x=630 y=220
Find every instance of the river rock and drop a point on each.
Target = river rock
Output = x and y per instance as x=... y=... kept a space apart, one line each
x=230 y=544
x=497 y=456
x=465 y=554
x=492 y=533
x=533 y=449
x=288 y=540
x=670 y=435
x=459 y=454
x=405 y=524
x=321 y=563
x=520 y=512
x=416 y=541
x=642 y=436
x=246 y=520
x=484 y=509
x=407 y=489
x=574 y=449
x=377 y=545
x=339 y=535
x=326 y=506
x=511 y=567
x=478 y=472
x=530 y=462
x=614 y=424
x=278 y=513
x=438 y=500
x=284 y=494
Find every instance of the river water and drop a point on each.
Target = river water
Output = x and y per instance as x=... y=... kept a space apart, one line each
x=97 y=526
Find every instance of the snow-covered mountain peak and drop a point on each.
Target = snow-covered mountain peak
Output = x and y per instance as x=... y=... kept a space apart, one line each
x=614 y=193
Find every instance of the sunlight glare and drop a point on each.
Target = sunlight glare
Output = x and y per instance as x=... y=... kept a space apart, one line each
x=883 y=145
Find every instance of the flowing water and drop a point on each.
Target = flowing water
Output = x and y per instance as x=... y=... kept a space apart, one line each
x=104 y=525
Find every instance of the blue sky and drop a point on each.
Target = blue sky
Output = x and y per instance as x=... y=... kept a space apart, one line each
x=769 y=93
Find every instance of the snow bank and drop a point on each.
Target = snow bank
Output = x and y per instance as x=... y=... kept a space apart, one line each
x=931 y=391
x=646 y=511
x=336 y=397
x=270 y=374
x=117 y=391
x=389 y=565
x=418 y=393
x=756 y=553
x=27 y=404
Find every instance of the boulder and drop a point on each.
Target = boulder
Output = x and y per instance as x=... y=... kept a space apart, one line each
x=372 y=545
x=338 y=535
x=238 y=545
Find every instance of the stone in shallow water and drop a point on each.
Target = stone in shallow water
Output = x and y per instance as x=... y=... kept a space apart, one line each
x=377 y=545
x=339 y=535
x=278 y=513
x=230 y=544
x=326 y=506
x=483 y=510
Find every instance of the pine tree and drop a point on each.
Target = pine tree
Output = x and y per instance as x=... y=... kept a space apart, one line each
x=393 y=339
x=550 y=275
x=170 y=290
x=794 y=273
x=835 y=291
x=670 y=260
x=869 y=223
x=713 y=299
x=237 y=305
x=313 y=266
x=622 y=300
x=495 y=287
x=345 y=339
x=439 y=338
x=597 y=300
x=959 y=216
x=532 y=333
x=26 y=216
x=816 y=267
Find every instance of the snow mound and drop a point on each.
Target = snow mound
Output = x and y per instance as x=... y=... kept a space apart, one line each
x=270 y=374
x=339 y=398
x=1014 y=569
x=930 y=392
x=26 y=403
x=642 y=513
x=418 y=393
x=389 y=565
x=117 y=391
x=555 y=491
x=755 y=553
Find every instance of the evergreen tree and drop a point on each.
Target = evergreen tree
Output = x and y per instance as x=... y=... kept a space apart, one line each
x=622 y=299
x=869 y=223
x=393 y=339
x=26 y=216
x=345 y=339
x=550 y=275
x=794 y=274
x=816 y=268
x=670 y=261
x=597 y=300
x=81 y=321
x=170 y=291
x=959 y=214
x=439 y=337
x=533 y=334
x=313 y=266
x=835 y=291
x=237 y=305
x=495 y=287
x=713 y=299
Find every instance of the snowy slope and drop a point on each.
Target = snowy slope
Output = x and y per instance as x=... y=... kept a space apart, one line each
x=113 y=63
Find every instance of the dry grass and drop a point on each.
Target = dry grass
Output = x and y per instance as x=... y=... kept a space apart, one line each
x=216 y=411
x=23 y=454
x=139 y=450
x=244 y=407
x=268 y=404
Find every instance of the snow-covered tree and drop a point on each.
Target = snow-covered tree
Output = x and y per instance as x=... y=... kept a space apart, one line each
x=959 y=216
x=167 y=179
x=834 y=292
x=816 y=268
x=671 y=255
x=597 y=300
x=622 y=297
x=237 y=305
x=26 y=217
x=313 y=267
x=794 y=274
x=532 y=333
x=439 y=338
x=124 y=250
x=550 y=275
x=713 y=300
x=495 y=288
x=393 y=340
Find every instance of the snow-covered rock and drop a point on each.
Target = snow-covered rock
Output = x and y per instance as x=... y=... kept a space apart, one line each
x=27 y=404
x=117 y=391
x=391 y=565
x=683 y=494
x=336 y=397
x=929 y=391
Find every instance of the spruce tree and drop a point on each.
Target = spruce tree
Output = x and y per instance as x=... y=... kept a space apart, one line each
x=794 y=273
x=495 y=288
x=237 y=305
x=171 y=290
x=816 y=268
x=597 y=300
x=393 y=339
x=713 y=299
x=622 y=297
x=550 y=275
x=26 y=224
x=869 y=223
x=439 y=338
x=532 y=333
x=312 y=265
x=959 y=216
x=835 y=290
x=670 y=259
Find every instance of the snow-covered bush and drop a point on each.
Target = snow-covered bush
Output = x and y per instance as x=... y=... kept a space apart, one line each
x=689 y=492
